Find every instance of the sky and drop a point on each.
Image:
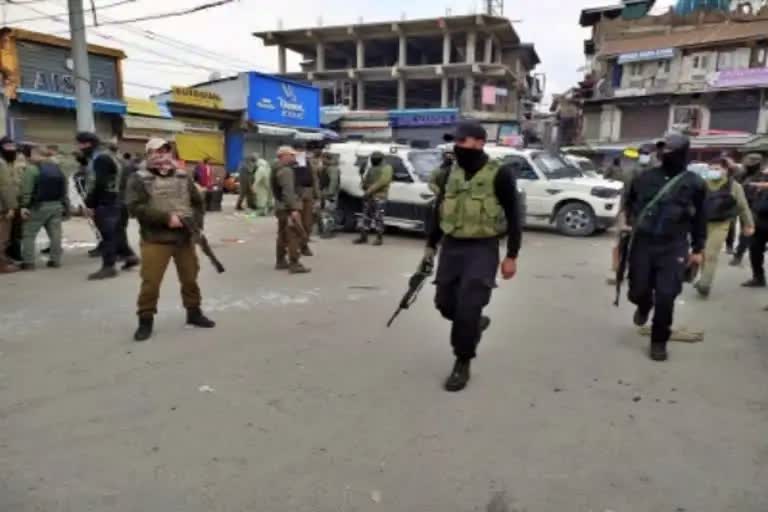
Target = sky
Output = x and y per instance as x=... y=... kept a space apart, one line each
x=186 y=50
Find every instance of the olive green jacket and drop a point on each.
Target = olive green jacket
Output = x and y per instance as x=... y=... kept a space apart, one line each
x=737 y=190
x=284 y=187
x=8 y=191
x=28 y=186
x=376 y=181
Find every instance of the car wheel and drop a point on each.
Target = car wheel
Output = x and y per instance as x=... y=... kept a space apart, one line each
x=576 y=219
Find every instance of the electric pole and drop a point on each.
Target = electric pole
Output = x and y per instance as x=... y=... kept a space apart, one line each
x=82 y=70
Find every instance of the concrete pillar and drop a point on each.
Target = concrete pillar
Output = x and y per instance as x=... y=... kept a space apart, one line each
x=360 y=54
x=360 y=103
x=444 y=92
x=282 y=62
x=401 y=93
x=471 y=46
x=447 y=48
x=488 y=53
x=497 y=43
x=320 y=57
x=469 y=94
x=402 y=51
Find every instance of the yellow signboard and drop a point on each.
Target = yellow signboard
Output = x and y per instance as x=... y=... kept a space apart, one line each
x=196 y=97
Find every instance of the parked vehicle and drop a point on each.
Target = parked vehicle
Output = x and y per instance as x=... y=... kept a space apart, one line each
x=584 y=164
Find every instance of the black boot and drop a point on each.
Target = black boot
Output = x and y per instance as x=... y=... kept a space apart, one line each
x=659 y=352
x=755 y=282
x=144 y=332
x=459 y=377
x=379 y=240
x=196 y=317
x=130 y=262
x=95 y=253
x=104 y=273
x=736 y=261
x=362 y=240
x=641 y=317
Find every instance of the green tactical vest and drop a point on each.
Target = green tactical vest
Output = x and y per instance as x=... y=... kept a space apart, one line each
x=373 y=175
x=470 y=209
x=168 y=193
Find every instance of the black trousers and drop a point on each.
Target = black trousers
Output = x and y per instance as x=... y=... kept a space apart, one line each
x=466 y=276
x=123 y=247
x=107 y=220
x=744 y=241
x=757 y=251
x=656 y=272
x=14 y=242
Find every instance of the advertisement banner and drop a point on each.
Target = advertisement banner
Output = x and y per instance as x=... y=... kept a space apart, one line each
x=660 y=54
x=277 y=101
x=741 y=77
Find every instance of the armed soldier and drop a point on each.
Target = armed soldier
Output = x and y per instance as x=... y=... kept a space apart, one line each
x=477 y=205
x=8 y=201
x=376 y=182
x=163 y=198
x=245 y=174
x=288 y=205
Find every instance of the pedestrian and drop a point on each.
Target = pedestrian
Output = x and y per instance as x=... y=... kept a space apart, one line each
x=747 y=171
x=375 y=184
x=8 y=201
x=163 y=197
x=262 y=189
x=102 y=199
x=288 y=205
x=664 y=207
x=44 y=205
x=206 y=179
x=245 y=175
x=756 y=188
x=309 y=192
x=477 y=205
x=725 y=202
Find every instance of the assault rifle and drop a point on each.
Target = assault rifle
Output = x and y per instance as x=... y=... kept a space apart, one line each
x=415 y=284
x=200 y=239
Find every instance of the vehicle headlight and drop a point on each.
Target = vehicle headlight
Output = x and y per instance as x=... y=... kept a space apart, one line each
x=605 y=192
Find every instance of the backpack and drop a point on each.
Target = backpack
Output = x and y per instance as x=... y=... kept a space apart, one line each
x=721 y=205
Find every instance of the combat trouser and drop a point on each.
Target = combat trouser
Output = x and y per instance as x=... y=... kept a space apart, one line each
x=717 y=232
x=290 y=237
x=5 y=236
x=656 y=273
x=122 y=245
x=373 y=215
x=107 y=219
x=307 y=217
x=757 y=250
x=46 y=216
x=247 y=195
x=154 y=261
x=13 y=249
x=466 y=276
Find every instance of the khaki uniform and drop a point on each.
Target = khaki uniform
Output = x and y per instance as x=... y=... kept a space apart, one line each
x=308 y=197
x=152 y=198
x=290 y=235
x=8 y=203
x=245 y=175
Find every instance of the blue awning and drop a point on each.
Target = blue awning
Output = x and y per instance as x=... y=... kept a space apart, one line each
x=52 y=99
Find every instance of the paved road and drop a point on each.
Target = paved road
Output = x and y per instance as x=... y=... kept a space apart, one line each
x=311 y=405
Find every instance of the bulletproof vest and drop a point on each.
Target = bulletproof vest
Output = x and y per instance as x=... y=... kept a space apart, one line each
x=470 y=209
x=114 y=180
x=303 y=176
x=373 y=174
x=168 y=193
x=721 y=205
x=51 y=183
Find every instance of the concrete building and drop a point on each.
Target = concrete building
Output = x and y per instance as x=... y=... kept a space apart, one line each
x=475 y=65
x=704 y=72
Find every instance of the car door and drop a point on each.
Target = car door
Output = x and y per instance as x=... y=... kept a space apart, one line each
x=529 y=182
x=405 y=194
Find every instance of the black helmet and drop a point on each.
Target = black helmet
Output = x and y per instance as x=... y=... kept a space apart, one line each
x=88 y=138
x=675 y=152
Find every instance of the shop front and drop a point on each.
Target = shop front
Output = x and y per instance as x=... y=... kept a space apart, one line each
x=40 y=88
x=144 y=120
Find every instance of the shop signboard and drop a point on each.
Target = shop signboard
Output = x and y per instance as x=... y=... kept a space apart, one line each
x=195 y=97
x=741 y=77
x=425 y=117
x=647 y=55
x=273 y=100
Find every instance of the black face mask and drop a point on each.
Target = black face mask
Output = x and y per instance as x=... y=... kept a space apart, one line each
x=470 y=159
x=752 y=169
x=376 y=161
x=9 y=155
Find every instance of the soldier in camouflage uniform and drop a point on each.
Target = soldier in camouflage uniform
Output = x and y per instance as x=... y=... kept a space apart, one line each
x=376 y=182
x=288 y=209
x=8 y=201
x=160 y=196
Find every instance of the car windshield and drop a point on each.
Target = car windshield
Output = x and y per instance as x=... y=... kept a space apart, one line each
x=555 y=167
x=587 y=166
x=425 y=162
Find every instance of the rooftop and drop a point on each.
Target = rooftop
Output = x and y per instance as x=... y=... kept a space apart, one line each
x=38 y=37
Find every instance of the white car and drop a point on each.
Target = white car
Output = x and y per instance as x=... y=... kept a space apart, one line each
x=559 y=194
x=584 y=164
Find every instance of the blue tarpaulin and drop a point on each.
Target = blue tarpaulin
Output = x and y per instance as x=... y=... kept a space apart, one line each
x=689 y=6
x=52 y=99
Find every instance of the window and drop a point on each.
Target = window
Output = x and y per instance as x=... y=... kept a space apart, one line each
x=520 y=167
x=664 y=67
x=636 y=69
x=758 y=58
x=400 y=173
x=700 y=62
x=554 y=167
x=725 y=60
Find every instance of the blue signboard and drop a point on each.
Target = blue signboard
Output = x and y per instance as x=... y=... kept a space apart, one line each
x=660 y=54
x=277 y=101
x=423 y=117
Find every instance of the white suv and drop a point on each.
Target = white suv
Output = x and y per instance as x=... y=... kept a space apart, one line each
x=559 y=194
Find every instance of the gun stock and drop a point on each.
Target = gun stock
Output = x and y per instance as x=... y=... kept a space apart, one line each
x=202 y=241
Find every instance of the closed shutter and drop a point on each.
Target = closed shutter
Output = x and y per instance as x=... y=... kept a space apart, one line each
x=644 y=122
x=194 y=147
x=735 y=119
x=56 y=127
x=592 y=125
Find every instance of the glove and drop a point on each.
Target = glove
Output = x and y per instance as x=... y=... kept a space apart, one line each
x=428 y=261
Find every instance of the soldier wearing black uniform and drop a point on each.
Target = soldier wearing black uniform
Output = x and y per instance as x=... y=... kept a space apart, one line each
x=670 y=233
x=477 y=206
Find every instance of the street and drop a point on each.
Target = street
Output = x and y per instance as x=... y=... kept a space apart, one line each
x=302 y=401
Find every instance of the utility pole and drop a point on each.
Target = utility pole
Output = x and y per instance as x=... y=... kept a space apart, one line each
x=82 y=70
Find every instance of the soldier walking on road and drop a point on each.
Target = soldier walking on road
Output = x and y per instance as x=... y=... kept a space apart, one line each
x=44 y=205
x=8 y=201
x=376 y=182
x=664 y=207
x=477 y=205
x=245 y=181
x=161 y=196
x=288 y=204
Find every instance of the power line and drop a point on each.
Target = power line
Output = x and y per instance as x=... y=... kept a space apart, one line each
x=145 y=86
x=48 y=16
x=171 y=14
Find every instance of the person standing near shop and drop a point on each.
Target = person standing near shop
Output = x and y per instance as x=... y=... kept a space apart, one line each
x=376 y=182
x=261 y=187
x=163 y=198
x=206 y=179
x=477 y=205
x=8 y=201
x=288 y=204
x=245 y=175
x=44 y=205
x=309 y=191
x=103 y=199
